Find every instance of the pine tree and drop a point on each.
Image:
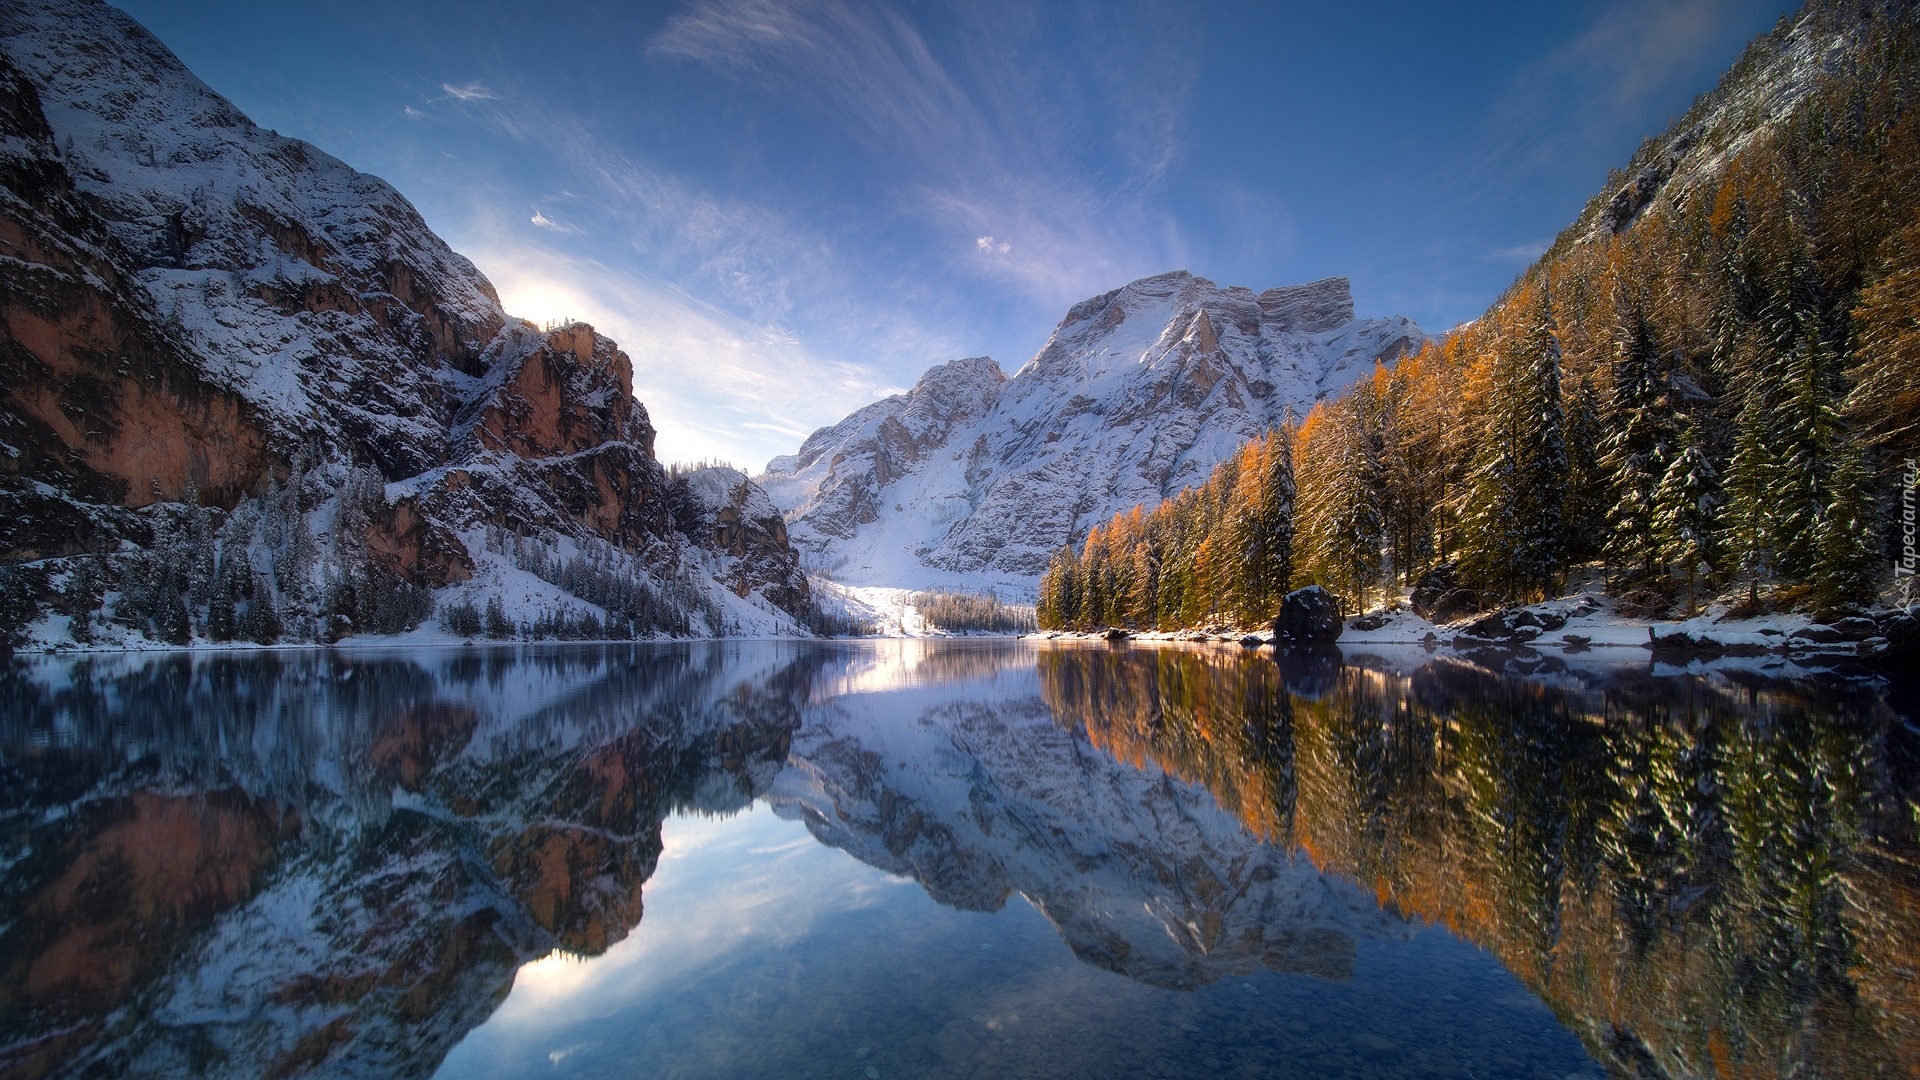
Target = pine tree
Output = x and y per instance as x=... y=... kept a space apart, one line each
x=1512 y=532
x=201 y=551
x=262 y=624
x=1808 y=422
x=1749 y=514
x=1636 y=450
x=1585 y=509
x=1541 y=466
x=1340 y=500
x=1844 y=550
x=1686 y=510
x=498 y=625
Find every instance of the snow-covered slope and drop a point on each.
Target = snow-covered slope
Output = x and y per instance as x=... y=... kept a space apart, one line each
x=974 y=478
x=190 y=305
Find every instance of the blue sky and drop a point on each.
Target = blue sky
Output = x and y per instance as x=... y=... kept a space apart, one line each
x=785 y=209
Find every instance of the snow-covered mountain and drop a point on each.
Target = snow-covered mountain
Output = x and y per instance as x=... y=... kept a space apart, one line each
x=977 y=478
x=190 y=304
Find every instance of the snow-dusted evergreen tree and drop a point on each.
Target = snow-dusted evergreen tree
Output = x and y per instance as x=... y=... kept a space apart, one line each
x=261 y=622
x=1513 y=521
x=1845 y=556
x=1807 y=425
x=1749 y=513
x=1636 y=449
x=1686 y=507
x=1541 y=465
x=1584 y=511
x=1340 y=504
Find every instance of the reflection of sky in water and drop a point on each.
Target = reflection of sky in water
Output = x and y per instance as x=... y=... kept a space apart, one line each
x=762 y=952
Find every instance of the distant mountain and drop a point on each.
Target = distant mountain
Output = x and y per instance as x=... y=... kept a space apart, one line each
x=194 y=310
x=1138 y=393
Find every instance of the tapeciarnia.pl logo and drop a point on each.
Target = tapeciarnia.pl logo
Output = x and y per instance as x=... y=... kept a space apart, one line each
x=1903 y=569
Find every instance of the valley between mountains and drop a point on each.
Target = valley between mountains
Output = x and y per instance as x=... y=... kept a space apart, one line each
x=251 y=398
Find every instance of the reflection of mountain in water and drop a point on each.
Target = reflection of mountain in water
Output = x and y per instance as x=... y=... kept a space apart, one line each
x=276 y=864
x=1703 y=876
x=975 y=791
x=259 y=866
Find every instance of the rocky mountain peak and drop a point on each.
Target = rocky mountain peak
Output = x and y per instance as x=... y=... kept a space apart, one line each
x=196 y=309
x=1312 y=308
x=1137 y=393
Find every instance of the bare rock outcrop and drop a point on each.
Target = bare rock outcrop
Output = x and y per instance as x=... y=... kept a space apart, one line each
x=193 y=308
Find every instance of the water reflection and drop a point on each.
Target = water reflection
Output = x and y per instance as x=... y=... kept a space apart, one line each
x=1704 y=874
x=267 y=864
x=335 y=864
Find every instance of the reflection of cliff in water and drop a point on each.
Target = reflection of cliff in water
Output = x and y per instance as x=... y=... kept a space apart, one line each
x=269 y=864
x=1704 y=877
x=972 y=789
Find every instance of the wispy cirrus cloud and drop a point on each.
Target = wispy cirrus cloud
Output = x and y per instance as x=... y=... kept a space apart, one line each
x=1577 y=93
x=715 y=385
x=472 y=91
x=989 y=148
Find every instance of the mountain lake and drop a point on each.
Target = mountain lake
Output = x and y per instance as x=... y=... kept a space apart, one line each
x=953 y=858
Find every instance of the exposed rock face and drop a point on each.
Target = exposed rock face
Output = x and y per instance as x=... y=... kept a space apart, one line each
x=188 y=302
x=1313 y=308
x=835 y=485
x=736 y=518
x=1139 y=393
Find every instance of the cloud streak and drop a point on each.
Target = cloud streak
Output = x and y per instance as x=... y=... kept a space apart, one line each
x=472 y=91
x=978 y=151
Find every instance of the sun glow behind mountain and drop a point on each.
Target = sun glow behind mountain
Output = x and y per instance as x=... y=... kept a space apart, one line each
x=779 y=210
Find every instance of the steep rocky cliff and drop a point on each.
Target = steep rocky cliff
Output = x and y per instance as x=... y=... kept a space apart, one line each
x=1138 y=393
x=193 y=309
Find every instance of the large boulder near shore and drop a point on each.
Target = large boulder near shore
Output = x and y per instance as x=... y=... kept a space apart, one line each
x=1309 y=616
x=1438 y=596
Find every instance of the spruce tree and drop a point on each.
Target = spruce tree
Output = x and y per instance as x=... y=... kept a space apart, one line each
x=1636 y=450
x=1807 y=426
x=1584 y=512
x=1749 y=515
x=1350 y=521
x=1686 y=510
x=1540 y=475
x=1844 y=565
x=262 y=623
x=1513 y=519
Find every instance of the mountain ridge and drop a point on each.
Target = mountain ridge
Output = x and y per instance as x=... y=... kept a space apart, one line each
x=1137 y=393
x=199 y=311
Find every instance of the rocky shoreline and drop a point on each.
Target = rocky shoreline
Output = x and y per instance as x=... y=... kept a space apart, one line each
x=1583 y=623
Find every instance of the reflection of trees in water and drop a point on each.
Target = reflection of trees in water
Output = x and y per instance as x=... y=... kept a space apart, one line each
x=410 y=841
x=1701 y=877
x=1220 y=721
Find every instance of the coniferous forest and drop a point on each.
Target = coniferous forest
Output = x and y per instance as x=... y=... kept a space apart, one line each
x=1707 y=387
